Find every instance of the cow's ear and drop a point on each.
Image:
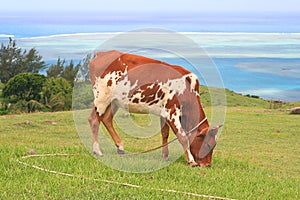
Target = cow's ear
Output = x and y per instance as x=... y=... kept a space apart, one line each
x=214 y=131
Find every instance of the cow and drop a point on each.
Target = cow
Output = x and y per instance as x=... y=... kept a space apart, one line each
x=144 y=85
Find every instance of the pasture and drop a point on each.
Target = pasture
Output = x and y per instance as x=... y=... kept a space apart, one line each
x=257 y=157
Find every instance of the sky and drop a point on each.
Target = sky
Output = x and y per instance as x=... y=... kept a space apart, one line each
x=152 y=6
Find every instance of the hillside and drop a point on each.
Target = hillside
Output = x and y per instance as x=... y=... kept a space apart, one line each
x=234 y=99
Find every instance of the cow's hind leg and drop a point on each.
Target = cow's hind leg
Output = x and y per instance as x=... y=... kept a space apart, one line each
x=94 y=121
x=183 y=139
x=107 y=119
x=165 y=135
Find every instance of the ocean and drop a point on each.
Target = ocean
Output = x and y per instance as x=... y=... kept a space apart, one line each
x=258 y=57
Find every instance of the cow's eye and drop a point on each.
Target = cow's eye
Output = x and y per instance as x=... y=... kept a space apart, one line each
x=208 y=146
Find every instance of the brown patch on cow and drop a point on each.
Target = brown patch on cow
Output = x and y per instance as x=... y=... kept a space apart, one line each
x=189 y=79
x=135 y=100
x=147 y=99
x=109 y=83
x=149 y=93
x=172 y=103
x=154 y=102
x=159 y=93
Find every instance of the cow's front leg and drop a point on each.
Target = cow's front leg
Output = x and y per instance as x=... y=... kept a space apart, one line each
x=107 y=119
x=94 y=121
x=165 y=135
x=183 y=138
x=184 y=141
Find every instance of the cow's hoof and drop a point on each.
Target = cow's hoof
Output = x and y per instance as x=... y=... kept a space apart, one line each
x=193 y=164
x=165 y=156
x=119 y=151
x=99 y=153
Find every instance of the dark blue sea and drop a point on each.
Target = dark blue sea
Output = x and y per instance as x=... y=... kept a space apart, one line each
x=252 y=56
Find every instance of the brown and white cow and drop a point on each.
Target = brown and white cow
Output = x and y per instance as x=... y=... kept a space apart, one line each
x=144 y=85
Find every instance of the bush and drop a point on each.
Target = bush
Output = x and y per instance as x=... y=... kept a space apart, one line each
x=24 y=86
x=33 y=92
x=57 y=94
x=3 y=111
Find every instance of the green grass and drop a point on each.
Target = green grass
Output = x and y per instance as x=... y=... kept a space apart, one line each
x=257 y=157
x=234 y=99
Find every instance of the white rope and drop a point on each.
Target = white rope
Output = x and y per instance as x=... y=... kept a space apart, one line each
x=109 y=181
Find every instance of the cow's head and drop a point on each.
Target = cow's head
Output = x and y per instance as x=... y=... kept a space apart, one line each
x=203 y=145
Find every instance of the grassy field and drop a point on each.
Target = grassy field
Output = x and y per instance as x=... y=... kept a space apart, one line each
x=257 y=157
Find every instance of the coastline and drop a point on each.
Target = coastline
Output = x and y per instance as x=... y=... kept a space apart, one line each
x=272 y=59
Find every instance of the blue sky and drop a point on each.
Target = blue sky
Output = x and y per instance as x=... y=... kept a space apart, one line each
x=152 y=6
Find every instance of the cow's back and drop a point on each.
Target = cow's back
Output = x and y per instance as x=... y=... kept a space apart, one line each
x=101 y=62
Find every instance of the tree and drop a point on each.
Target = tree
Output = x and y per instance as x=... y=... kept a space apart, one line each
x=55 y=70
x=24 y=86
x=57 y=94
x=70 y=72
x=63 y=70
x=14 y=60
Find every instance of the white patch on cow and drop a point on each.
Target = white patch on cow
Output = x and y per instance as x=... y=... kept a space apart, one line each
x=122 y=89
x=175 y=116
x=104 y=94
x=119 y=59
x=190 y=156
x=194 y=80
x=177 y=86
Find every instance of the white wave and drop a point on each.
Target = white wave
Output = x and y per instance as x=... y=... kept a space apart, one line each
x=6 y=36
x=216 y=44
x=141 y=32
x=71 y=35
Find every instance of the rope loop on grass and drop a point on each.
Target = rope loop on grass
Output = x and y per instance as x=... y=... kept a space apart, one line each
x=108 y=181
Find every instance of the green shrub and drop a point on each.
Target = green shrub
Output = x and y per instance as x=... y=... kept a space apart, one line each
x=24 y=86
x=57 y=94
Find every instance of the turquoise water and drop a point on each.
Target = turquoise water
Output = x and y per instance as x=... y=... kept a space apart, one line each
x=252 y=57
